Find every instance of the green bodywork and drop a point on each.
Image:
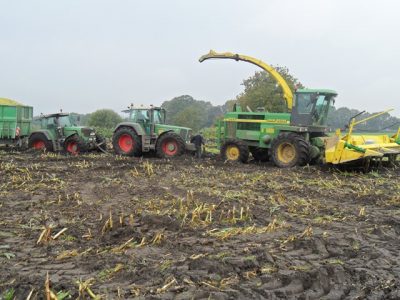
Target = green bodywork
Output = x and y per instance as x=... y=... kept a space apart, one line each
x=258 y=129
x=59 y=127
x=149 y=124
x=14 y=118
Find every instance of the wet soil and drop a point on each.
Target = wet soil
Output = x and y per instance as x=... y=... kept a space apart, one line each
x=195 y=229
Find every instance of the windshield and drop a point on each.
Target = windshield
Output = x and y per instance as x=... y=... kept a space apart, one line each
x=143 y=115
x=322 y=107
x=53 y=122
x=139 y=115
x=64 y=121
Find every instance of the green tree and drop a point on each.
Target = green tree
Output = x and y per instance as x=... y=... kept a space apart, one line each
x=196 y=114
x=104 y=118
x=193 y=116
x=262 y=90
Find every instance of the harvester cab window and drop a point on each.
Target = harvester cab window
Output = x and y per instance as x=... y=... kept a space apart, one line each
x=320 y=104
x=304 y=103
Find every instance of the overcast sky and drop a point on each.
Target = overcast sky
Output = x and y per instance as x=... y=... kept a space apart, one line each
x=82 y=55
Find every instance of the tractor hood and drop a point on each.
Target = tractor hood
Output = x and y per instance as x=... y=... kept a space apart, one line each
x=85 y=131
x=184 y=132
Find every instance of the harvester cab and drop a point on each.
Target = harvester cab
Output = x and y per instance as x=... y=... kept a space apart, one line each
x=59 y=132
x=145 y=130
x=311 y=107
x=299 y=136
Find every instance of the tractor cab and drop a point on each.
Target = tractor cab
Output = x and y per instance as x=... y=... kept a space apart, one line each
x=311 y=107
x=58 y=120
x=61 y=124
x=152 y=114
x=147 y=117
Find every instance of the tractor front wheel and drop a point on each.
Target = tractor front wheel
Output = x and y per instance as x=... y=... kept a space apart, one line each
x=170 y=145
x=289 y=150
x=38 y=141
x=74 y=145
x=235 y=150
x=126 y=142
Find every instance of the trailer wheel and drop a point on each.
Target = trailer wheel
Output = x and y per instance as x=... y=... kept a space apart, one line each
x=74 y=145
x=126 y=142
x=235 y=150
x=38 y=141
x=169 y=145
x=260 y=154
x=289 y=150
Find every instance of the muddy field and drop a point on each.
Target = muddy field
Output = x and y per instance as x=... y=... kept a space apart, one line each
x=111 y=227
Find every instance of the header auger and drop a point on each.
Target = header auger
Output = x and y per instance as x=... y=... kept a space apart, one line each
x=300 y=136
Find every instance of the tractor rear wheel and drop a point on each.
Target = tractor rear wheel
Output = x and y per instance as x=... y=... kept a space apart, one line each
x=169 y=145
x=74 y=145
x=235 y=150
x=126 y=142
x=260 y=154
x=289 y=150
x=38 y=141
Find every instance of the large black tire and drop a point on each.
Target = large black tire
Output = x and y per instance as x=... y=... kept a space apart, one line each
x=235 y=150
x=290 y=149
x=126 y=142
x=101 y=141
x=170 y=145
x=39 y=141
x=74 y=145
x=260 y=154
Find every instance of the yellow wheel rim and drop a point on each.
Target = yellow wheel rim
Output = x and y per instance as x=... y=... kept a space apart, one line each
x=286 y=152
x=232 y=152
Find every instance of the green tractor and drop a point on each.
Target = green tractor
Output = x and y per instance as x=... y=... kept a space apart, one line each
x=146 y=131
x=59 y=132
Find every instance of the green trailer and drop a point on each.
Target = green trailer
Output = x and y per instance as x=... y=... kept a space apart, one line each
x=15 y=122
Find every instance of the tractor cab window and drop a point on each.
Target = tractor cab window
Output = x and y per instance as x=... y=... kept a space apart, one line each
x=50 y=123
x=139 y=115
x=158 y=116
x=64 y=121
